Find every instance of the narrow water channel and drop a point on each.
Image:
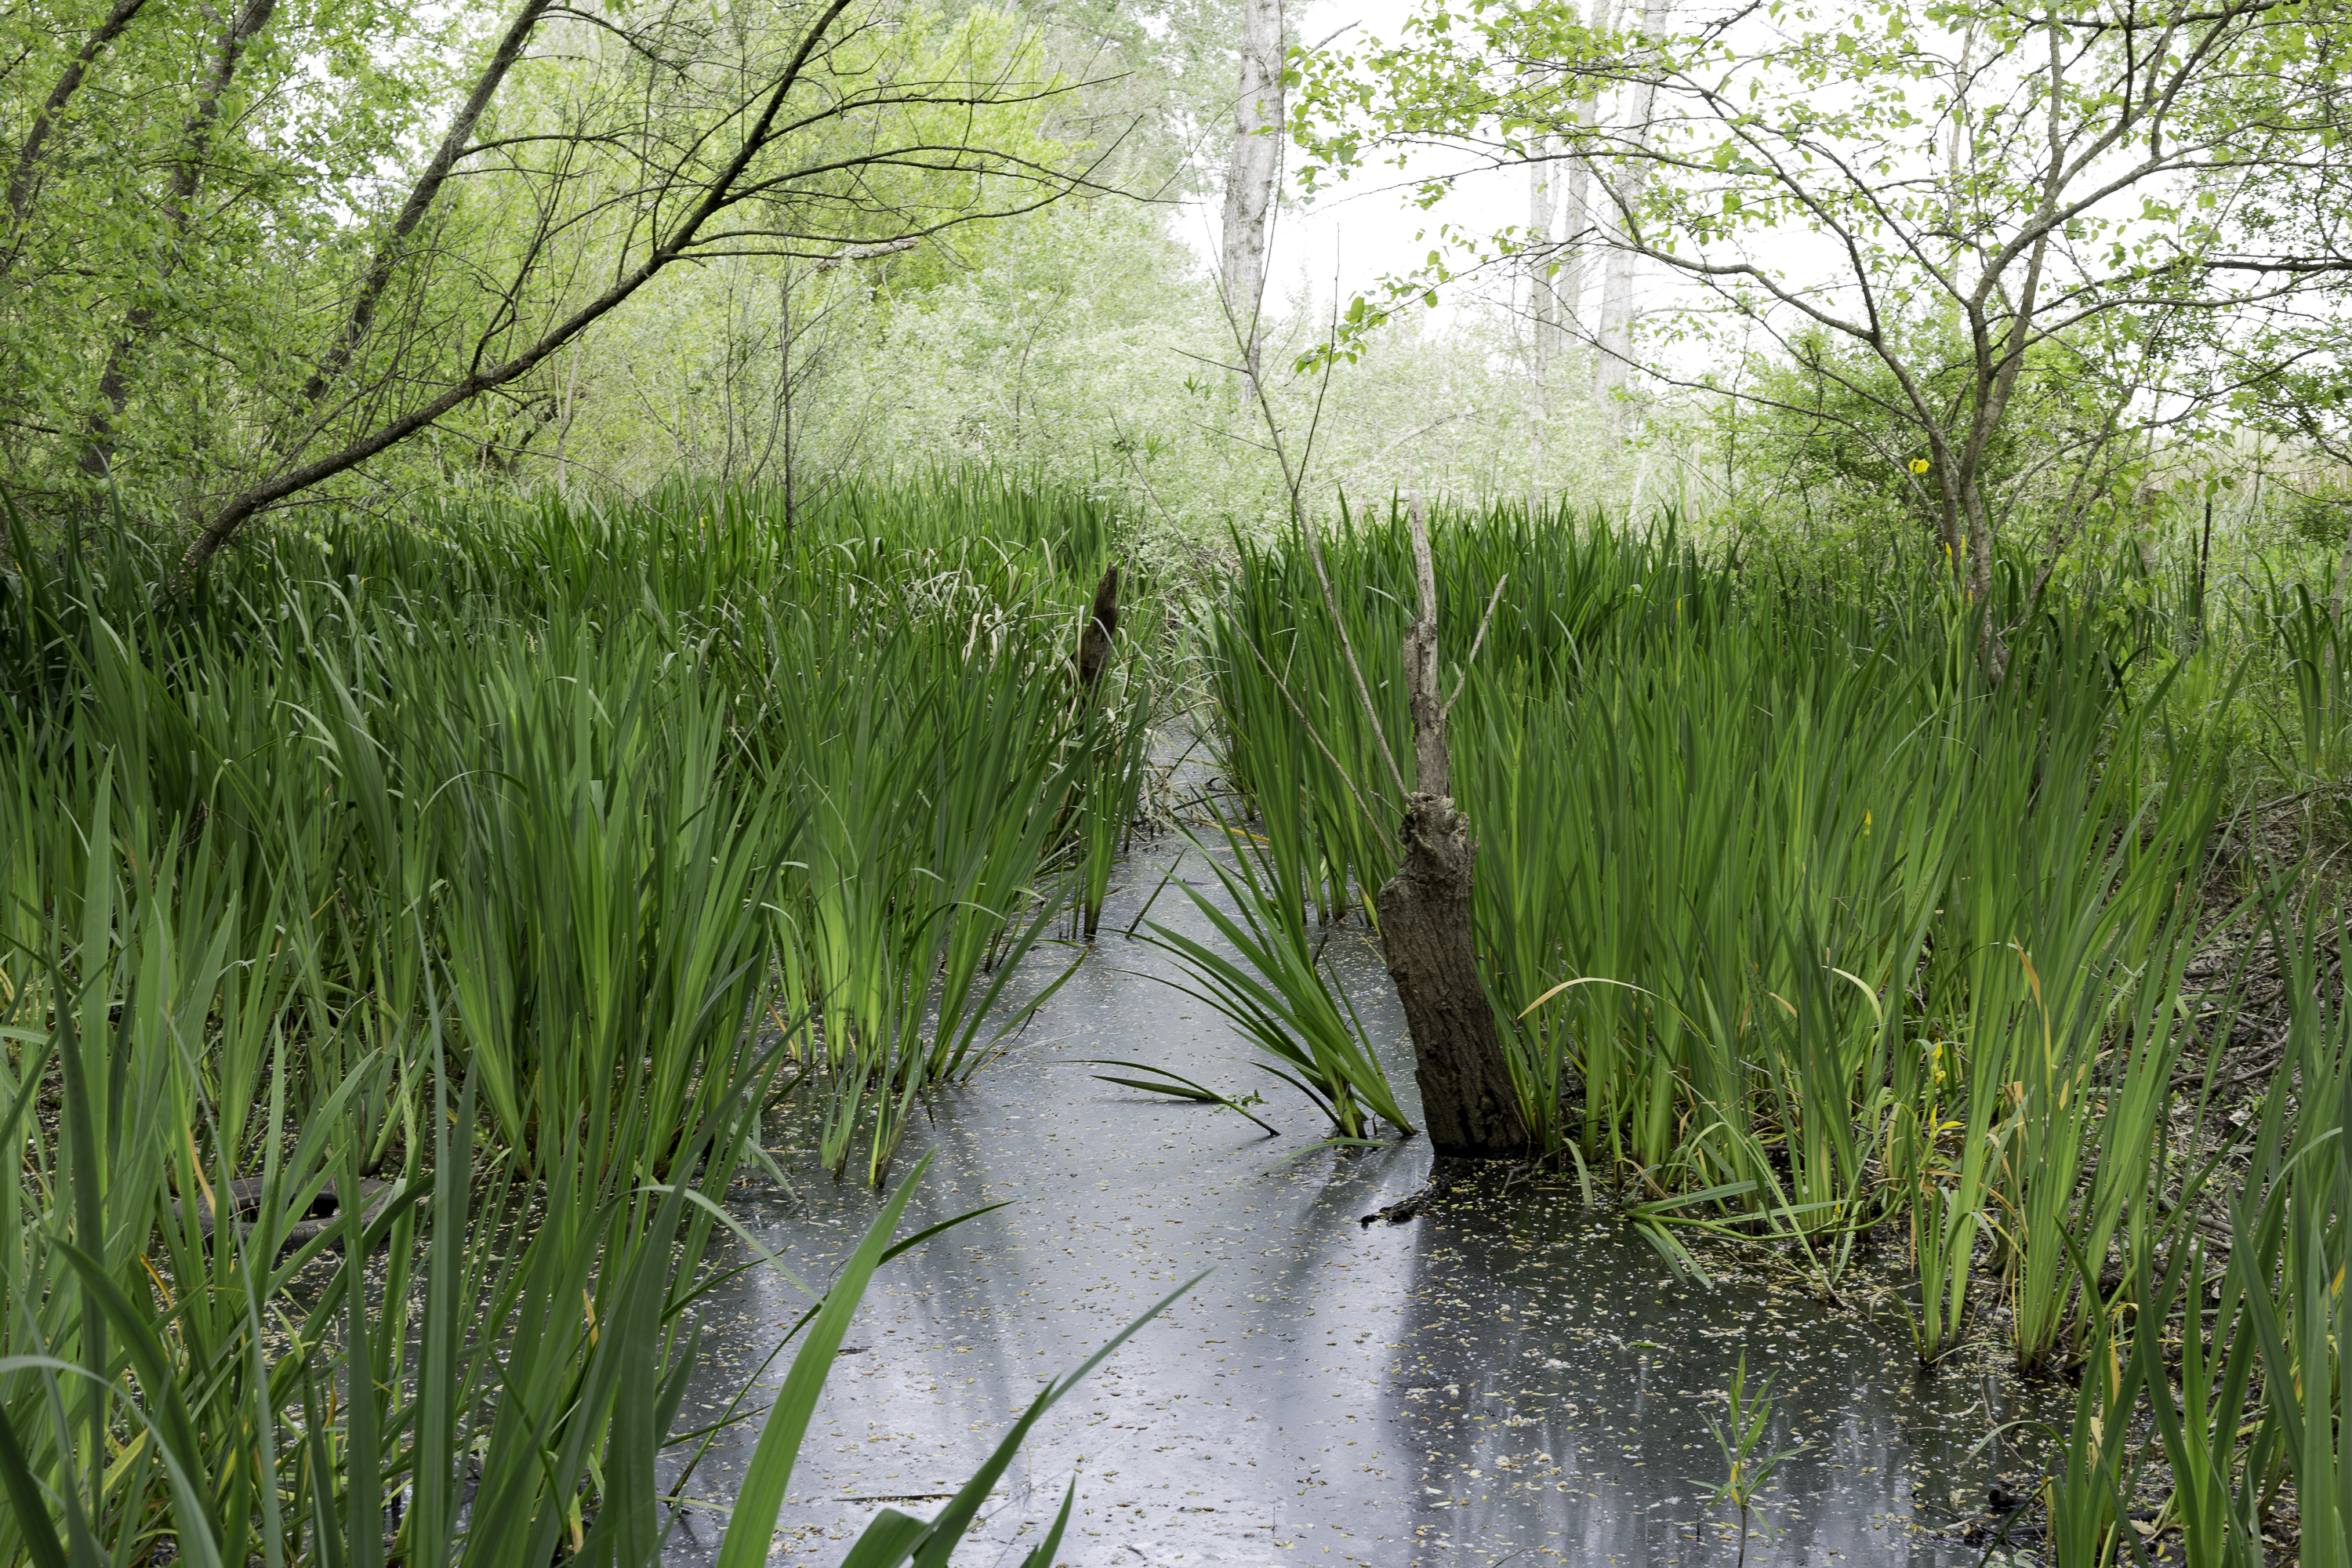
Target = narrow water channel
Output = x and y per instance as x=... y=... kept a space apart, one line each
x=1509 y=1378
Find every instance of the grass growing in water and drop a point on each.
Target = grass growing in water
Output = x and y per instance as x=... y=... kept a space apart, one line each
x=1797 y=930
x=473 y=887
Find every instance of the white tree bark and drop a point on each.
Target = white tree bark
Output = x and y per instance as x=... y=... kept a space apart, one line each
x=1614 y=369
x=1577 y=221
x=1543 y=298
x=1251 y=172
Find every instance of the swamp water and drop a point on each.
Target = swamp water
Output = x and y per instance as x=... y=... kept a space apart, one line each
x=1506 y=1377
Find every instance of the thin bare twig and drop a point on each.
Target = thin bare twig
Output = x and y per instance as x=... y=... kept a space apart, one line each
x=1294 y=481
x=1432 y=765
x=1476 y=644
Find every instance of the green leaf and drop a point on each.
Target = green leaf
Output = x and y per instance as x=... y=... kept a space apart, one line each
x=761 y=1500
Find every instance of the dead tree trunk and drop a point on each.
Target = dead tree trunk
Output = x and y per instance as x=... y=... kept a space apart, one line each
x=1096 y=642
x=1468 y=1102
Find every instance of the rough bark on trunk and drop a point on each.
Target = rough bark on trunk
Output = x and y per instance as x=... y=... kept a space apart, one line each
x=1094 y=643
x=1468 y=1103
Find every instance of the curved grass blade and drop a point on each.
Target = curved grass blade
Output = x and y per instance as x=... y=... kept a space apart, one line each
x=1178 y=1087
x=745 y=1544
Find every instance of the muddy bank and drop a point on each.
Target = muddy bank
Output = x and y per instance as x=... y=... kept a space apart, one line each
x=1514 y=1378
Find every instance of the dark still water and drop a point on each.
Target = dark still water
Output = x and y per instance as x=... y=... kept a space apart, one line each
x=1512 y=1377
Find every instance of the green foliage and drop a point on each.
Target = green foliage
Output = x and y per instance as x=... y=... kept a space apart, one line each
x=1948 y=193
x=1739 y=1436
x=477 y=885
x=1826 y=431
x=1795 y=929
x=1753 y=857
x=272 y=272
x=2322 y=516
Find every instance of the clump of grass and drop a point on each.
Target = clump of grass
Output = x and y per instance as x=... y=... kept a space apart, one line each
x=1278 y=993
x=476 y=884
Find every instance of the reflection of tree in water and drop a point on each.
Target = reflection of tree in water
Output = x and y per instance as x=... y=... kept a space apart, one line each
x=1515 y=1374
x=1553 y=1387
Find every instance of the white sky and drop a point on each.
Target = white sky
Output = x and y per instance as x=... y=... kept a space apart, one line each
x=1366 y=227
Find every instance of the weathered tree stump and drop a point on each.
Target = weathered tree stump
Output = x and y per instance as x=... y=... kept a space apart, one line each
x=1468 y=1103
x=1429 y=934
x=1096 y=642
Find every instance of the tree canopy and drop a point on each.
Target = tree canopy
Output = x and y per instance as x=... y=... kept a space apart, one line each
x=247 y=255
x=2118 y=187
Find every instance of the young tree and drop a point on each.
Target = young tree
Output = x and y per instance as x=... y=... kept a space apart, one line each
x=250 y=342
x=1252 y=169
x=2051 y=178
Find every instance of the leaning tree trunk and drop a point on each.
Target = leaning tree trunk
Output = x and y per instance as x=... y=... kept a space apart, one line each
x=1468 y=1102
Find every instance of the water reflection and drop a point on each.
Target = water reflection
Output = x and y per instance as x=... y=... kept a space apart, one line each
x=1560 y=1387
x=1513 y=1378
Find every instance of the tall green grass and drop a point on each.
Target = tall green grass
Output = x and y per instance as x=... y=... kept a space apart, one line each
x=1794 y=927
x=473 y=888
x=2213 y=1382
x=1801 y=932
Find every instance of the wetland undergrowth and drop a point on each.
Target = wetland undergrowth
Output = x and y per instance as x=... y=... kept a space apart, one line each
x=400 y=940
x=475 y=885
x=1804 y=935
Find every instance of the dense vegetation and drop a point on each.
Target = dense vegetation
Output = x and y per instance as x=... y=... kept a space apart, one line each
x=447 y=902
x=519 y=658
x=1803 y=933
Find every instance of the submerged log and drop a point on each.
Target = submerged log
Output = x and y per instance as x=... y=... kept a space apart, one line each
x=244 y=1204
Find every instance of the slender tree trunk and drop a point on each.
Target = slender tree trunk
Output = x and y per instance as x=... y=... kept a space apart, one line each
x=1543 y=298
x=1543 y=301
x=26 y=175
x=784 y=387
x=1427 y=931
x=361 y=317
x=138 y=327
x=564 y=430
x=1614 y=371
x=1576 y=224
x=1251 y=172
